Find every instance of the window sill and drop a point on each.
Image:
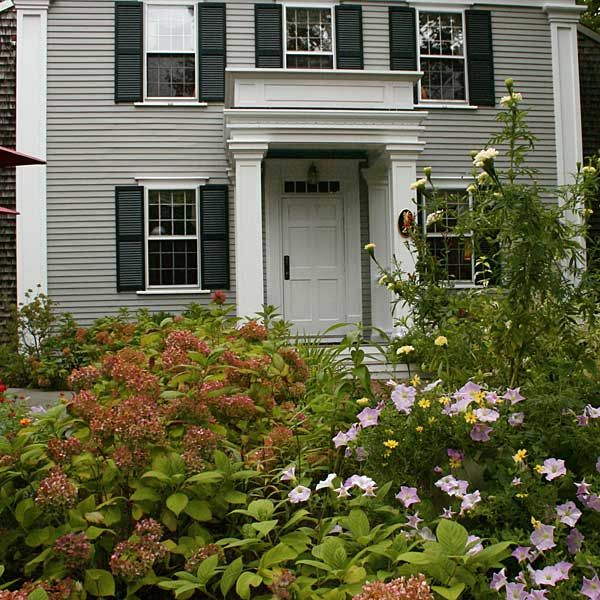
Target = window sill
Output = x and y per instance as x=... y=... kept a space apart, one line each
x=173 y=292
x=430 y=105
x=170 y=104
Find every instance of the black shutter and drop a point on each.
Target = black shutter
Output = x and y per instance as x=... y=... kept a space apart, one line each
x=212 y=44
x=268 y=41
x=129 y=49
x=214 y=236
x=349 y=36
x=403 y=38
x=130 y=238
x=480 y=58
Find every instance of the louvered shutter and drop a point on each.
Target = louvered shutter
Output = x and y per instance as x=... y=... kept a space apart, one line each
x=480 y=58
x=212 y=51
x=268 y=25
x=349 y=36
x=130 y=238
x=403 y=38
x=214 y=236
x=129 y=35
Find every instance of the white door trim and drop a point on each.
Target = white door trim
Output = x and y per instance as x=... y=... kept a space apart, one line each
x=344 y=171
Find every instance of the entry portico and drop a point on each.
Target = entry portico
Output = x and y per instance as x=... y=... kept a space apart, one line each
x=294 y=114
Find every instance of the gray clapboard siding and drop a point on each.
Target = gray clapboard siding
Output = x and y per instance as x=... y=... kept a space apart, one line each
x=95 y=145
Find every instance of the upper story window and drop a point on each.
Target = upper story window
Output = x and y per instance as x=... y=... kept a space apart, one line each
x=442 y=56
x=171 y=51
x=309 y=37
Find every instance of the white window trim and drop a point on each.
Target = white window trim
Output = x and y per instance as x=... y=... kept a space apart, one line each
x=309 y=4
x=170 y=101
x=453 y=184
x=174 y=183
x=444 y=103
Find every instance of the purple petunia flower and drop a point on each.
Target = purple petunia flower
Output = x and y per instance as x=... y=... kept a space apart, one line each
x=426 y=534
x=455 y=454
x=326 y=483
x=432 y=385
x=551 y=575
x=516 y=419
x=591 y=412
x=361 y=454
x=348 y=453
x=498 y=580
x=408 y=496
x=575 y=541
x=516 y=482
x=543 y=537
x=492 y=398
x=514 y=395
x=342 y=491
x=299 y=494
x=289 y=474
x=403 y=398
x=448 y=513
x=340 y=440
x=474 y=545
x=583 y=420
x=366 y=484
x=568 y=513
x=515 y=591
x=481 y=433
x=553 y=468
x=368 y=417
x=414 y=520
x=583 y=488
x=537 y=595
x=522 y=553
x=469 y=501
x=452 y=486
x=353 y=432
x=591 y=501
x=591 y=588
x=487 y=415
x=598 y=465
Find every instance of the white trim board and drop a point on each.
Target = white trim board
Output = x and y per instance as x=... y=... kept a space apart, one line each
x=6 y=5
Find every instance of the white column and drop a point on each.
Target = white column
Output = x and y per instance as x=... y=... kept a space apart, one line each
x=380 y=217
x=32 y=268
x=249 y=268
x=565 y=74
x=402 y=172
x=567 y=108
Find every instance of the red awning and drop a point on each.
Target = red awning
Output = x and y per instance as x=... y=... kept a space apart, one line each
x=8 y=211
x=12 y=158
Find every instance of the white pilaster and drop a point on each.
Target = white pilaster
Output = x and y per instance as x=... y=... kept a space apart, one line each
x=380 y=217
x=249 y=269
x=565 y=74
x=32 y=268
x=402 y=172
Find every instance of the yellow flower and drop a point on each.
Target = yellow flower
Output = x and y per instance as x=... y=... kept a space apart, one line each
x=389 y=431
x=391 y=444
x=416 y=380
x=535 y=522
x=480 y=398
x=370 y=248
x=470 y=418
x=441 y=340
x=520 y=455
x=362 y=401
x=387 y=453
x=522 y=495
x=455 y=463
x=405 y=350
x=539 y=468
x=424 y=403
x=419 y=429
x=431 y=420
x=444 y=400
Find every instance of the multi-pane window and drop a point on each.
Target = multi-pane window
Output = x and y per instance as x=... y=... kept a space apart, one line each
x=172 y=238
x=171 y=51
x=451 y=251
x=442 y=52
x=309 y=38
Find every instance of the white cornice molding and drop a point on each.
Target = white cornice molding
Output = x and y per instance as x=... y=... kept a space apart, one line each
x=563 y=14
x=32 y=4
x=5 y=5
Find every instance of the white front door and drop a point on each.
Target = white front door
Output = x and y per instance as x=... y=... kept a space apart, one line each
x=314 y=285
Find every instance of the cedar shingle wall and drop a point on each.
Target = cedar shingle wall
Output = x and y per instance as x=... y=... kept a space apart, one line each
x=589 y=74
x=7 y=176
